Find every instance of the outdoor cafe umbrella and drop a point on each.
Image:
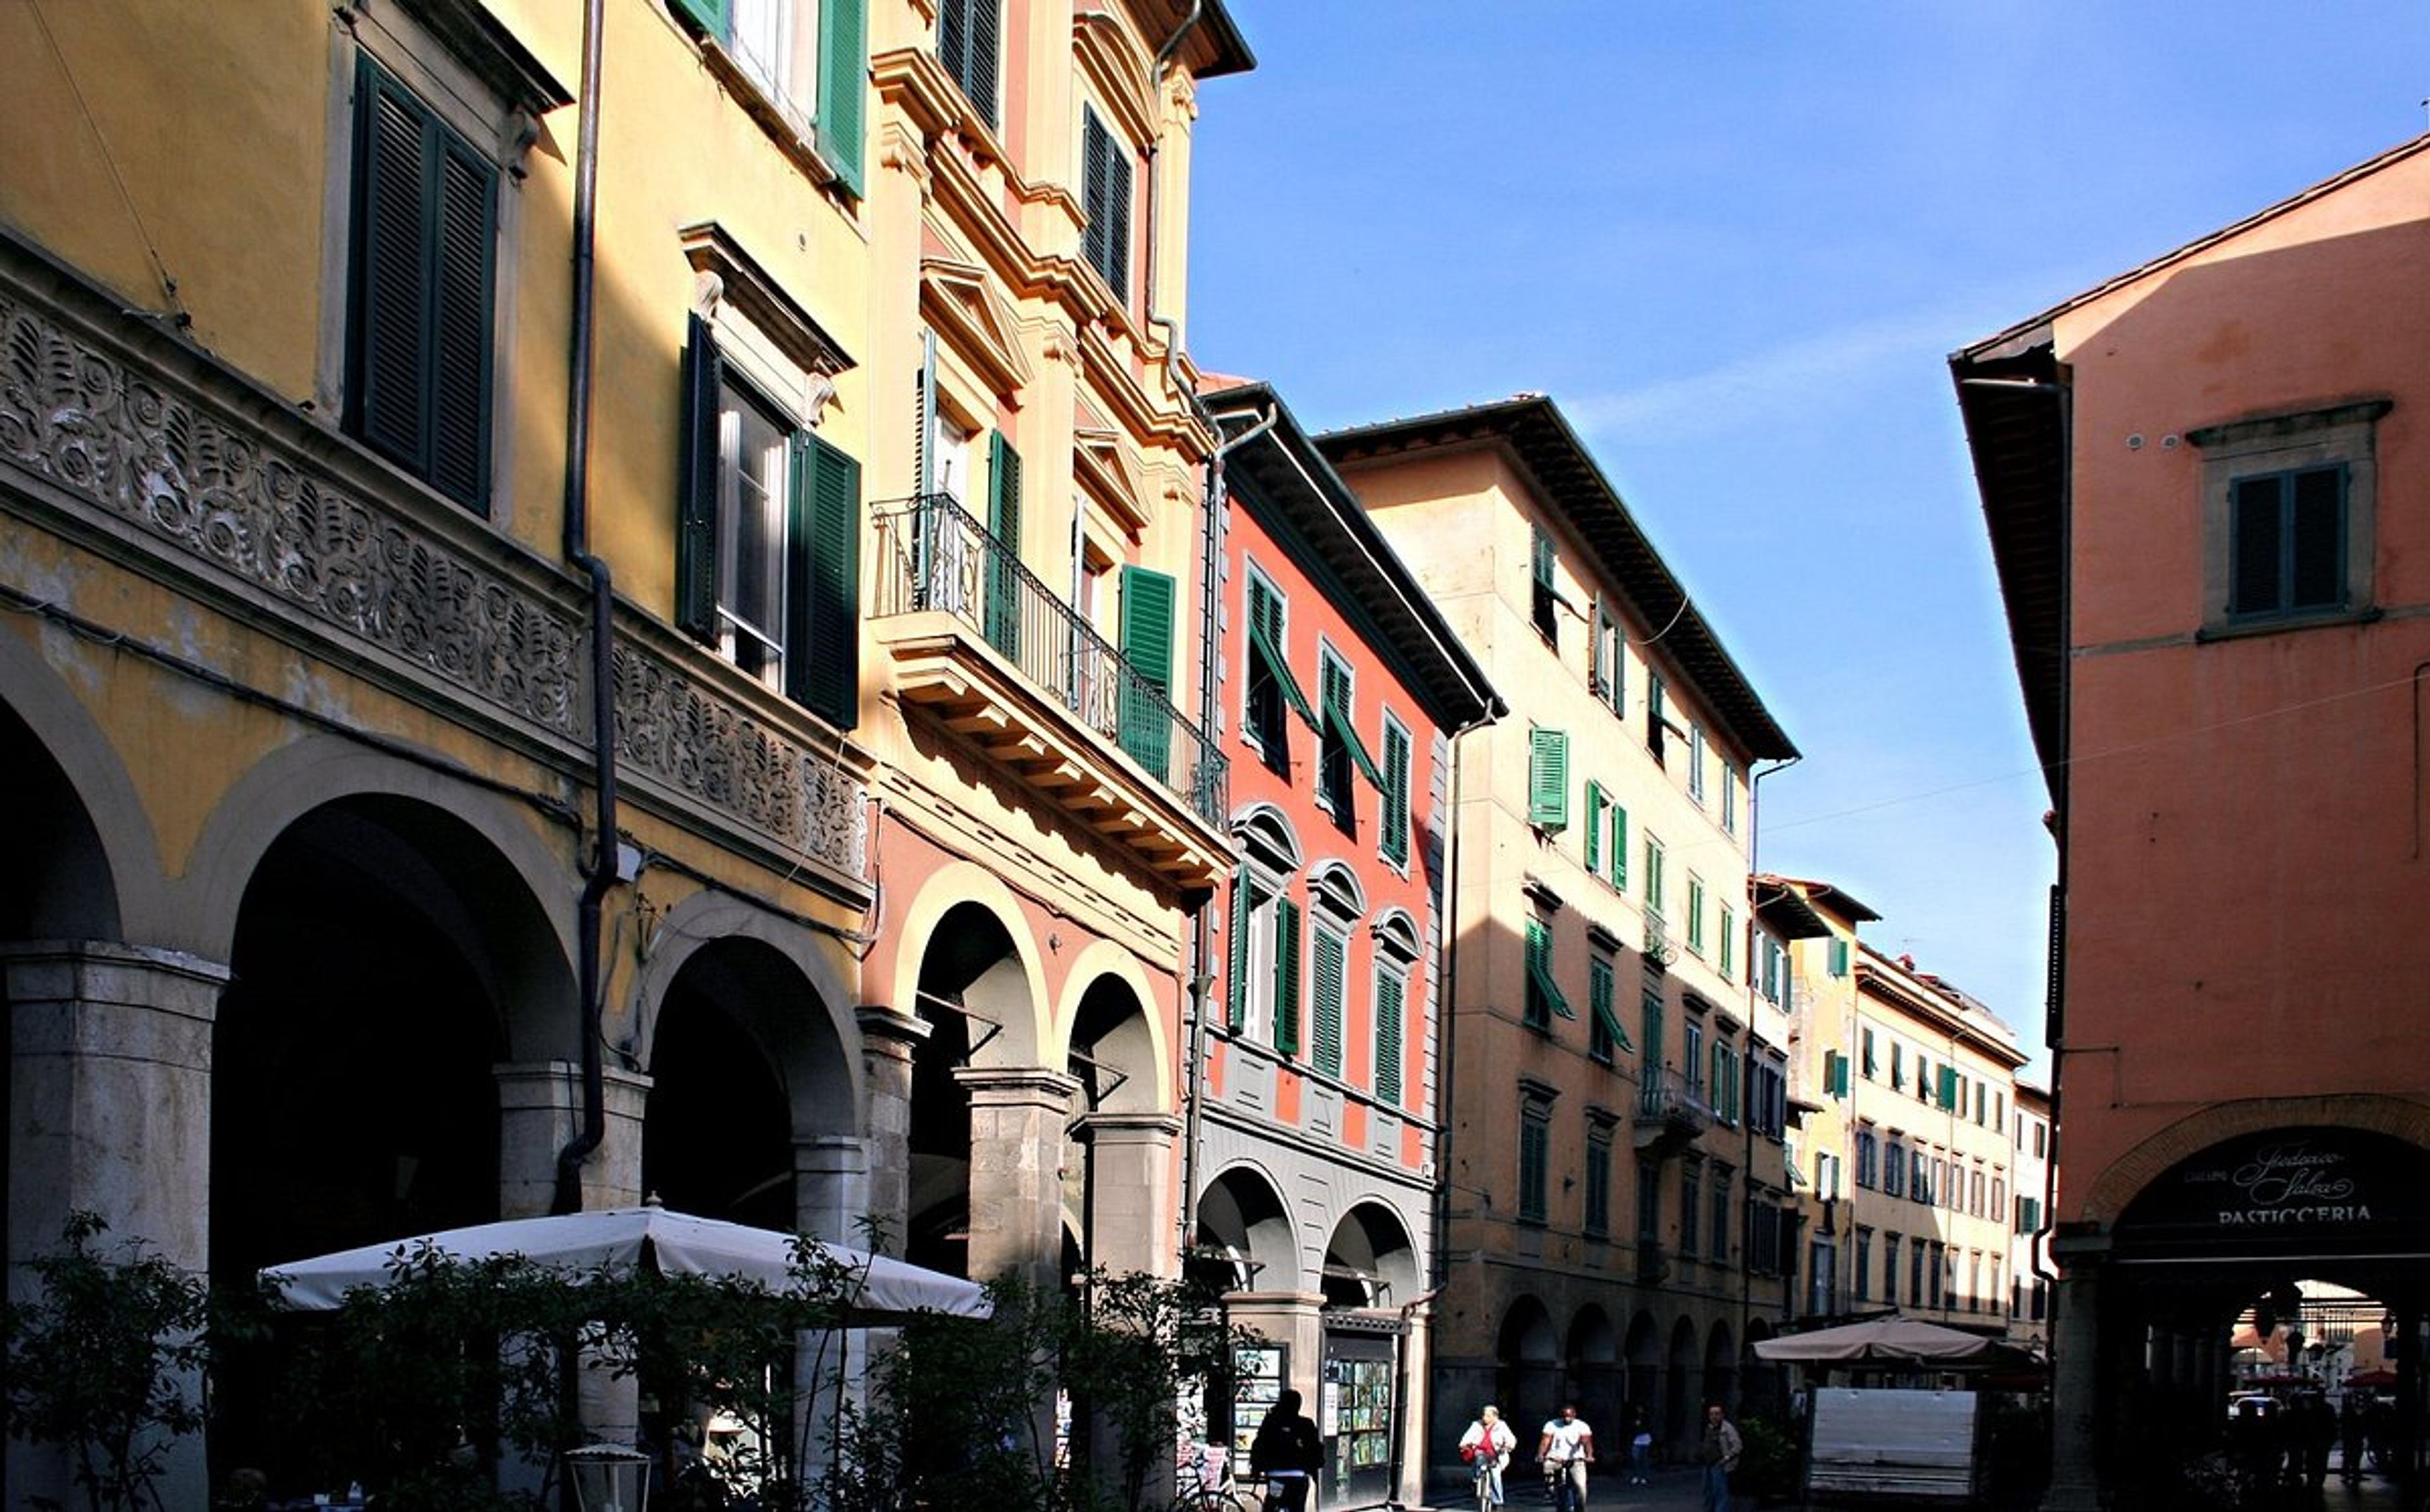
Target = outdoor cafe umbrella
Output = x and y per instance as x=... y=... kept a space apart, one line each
x=620 y=1238
x=1892 y=1340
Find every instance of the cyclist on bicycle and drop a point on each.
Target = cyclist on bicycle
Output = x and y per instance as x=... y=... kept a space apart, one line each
x=1567 y=1450
x=1487 y=1447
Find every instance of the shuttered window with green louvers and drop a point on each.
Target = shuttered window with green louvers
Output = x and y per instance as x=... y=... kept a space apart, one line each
x=1326 y=1006
x=1145 y=713
x=822 y=621
x=969 y=43
x=1394 y=842
x=419 y=362
x=1287 y=962
x=1004 y=575
x=821 y=98
x=1245 y=898
x=1105 y=198
x=1548 y=779
x=1391 y=1003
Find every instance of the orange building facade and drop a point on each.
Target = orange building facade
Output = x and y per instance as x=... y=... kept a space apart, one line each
x=2208 y=485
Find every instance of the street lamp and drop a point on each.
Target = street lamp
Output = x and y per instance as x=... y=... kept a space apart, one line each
x=608 y=1478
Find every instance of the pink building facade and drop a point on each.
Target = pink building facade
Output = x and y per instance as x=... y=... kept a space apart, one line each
x=2207 y=485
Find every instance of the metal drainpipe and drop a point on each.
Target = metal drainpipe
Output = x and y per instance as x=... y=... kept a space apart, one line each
x=590 y=970
x=1201 y=941
x=1755 y=847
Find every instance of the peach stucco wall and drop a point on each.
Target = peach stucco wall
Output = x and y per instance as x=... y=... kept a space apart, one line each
x=2247 y=815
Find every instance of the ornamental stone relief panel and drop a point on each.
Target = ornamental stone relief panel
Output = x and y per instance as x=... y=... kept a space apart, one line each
x=191 y=480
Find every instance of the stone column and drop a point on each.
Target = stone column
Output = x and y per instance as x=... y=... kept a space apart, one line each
x=1131 y=1191
x=109 y=1102
x=887 y=1041
x=1016 y=1122
x=539 y=1111
x=2075 y=1377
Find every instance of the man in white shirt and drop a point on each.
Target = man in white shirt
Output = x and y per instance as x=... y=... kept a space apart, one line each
x=1566 y=1451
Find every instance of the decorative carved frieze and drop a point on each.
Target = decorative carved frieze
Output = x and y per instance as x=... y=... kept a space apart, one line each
x=75 y=416
x=204 y=482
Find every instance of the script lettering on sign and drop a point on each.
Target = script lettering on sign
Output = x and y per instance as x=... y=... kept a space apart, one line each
x=2289 y=1183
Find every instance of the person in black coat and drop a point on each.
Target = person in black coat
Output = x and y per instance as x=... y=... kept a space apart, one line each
x=1287 y=1453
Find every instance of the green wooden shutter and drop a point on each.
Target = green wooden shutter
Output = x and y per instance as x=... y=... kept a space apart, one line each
x=464 y=272
x=1145 y=709
x=1287 y=950
x=1594 y=826
x=1396 y=794
x=1390 y=997
x=823 y=583
x=844 y=79
x=969 y=38
x=696 y=490
x=715 y=17
x=1948 y=1089
x=1004 y=557
x=1548 y=779
x=1332 y=964
x=1245 y=906
x=1620 y=847
x=1105 y=196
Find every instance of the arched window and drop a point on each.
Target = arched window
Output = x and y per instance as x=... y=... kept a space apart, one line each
x=1262 y=994
x=1337 y=900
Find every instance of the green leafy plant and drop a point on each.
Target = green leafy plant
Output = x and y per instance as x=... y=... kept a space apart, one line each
x=105 y=1362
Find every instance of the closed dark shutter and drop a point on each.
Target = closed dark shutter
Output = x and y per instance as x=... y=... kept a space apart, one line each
x=823 y=629
x=1287 y=950
x=2254 y=589
x=1391 y=1004
x=1004 y=557
x=1332 y=964
x=1145 y=711
x=969 y=37
x=1106 y=195
x=1396 y=794
x=696 y=486
x=424 y=268
x=843 y=76
x=1235 y=998
x=2316 y=575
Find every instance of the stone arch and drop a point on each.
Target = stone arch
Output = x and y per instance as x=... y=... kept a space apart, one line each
x=2109 y=1193
x=708 y=918
x=1527 y=1360
x=1370 y=1260
x=97 y=872
x=1011 y=988
x=1243 y=1223
x=312 y=774
x=1135 y=1041
x=1720 y=1364
x=1644 y=1350
x=1591 y=1356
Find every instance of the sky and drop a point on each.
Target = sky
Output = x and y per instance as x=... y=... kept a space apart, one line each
x=1736 y=241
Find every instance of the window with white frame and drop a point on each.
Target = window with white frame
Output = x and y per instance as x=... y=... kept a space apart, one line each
x=1263 y=982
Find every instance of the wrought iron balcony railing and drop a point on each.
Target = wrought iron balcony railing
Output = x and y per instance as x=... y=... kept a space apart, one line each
x=936 y=557
x=1665 y=1098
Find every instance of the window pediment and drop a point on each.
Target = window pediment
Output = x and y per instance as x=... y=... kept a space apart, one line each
x=1106 y=470
x=957 y=303
x=746 y=285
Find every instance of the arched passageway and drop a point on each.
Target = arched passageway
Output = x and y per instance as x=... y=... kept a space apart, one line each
x=1527 y=1365
x=1118 y=1153
x=1596 y=1380
x=1680 y=1385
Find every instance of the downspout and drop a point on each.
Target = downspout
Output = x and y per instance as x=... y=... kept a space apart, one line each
x=1202 y=944
x=590 y=967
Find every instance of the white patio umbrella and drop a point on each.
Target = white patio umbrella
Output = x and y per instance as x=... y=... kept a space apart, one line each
x=1892 y=1340
x=622 y=1238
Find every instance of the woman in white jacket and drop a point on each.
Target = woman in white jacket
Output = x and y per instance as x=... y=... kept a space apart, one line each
x=1489 y=1439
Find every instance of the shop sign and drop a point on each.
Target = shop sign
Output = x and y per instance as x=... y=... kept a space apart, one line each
x=2285 y=1189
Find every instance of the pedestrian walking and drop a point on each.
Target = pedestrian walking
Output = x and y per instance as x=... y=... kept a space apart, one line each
x=1641 y=1447
x=1286 y=1452
x=1722 y=1447
x=1566 y=1449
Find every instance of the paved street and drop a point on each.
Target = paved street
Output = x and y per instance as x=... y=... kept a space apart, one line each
x=1674 y=1491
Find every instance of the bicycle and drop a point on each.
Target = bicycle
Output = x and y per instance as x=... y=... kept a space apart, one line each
x=1483 y=1479
x=1195 y=1492
x=1560 y=1488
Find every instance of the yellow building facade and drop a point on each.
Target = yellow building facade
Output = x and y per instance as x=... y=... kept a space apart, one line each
x=601 y=606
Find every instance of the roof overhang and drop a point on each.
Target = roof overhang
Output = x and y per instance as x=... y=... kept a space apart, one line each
x=1539 y=438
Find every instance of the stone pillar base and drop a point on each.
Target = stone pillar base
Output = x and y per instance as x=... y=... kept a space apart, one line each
x=539 y=1111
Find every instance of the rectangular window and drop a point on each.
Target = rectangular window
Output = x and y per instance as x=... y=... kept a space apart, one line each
x=1870 y=1066
x=1656 y=714
x=1271 y=692
x=1143 y=720
x=1861 y=1278
x=1837 y=963
x=1894 y=1169
x=810 y=58
x=1394 y=820
x=1331 y=961
x=1544 y=1000
x=1620 y=847
x=969 y=39
x=2289 y=542
x=1336 y=735
x=1535 y=1156
x=1919 y=1261
x=1891 y=1269
x=1593 y=836
x=1721 y=1231
x=1598 y=1179
x=1105 y=168
x=1542 y=593
x=1691 y=1210
x=1729 y=799
x=1729 y=942
x=1691 y=1061
x=1392 y=1006
x=1251 y=922
x=424 y=256
x=1288 y=946
x=1548 y=779
x=1005 y=578
x=768 y=558
x=1898 y=1068
x=1611 y=662
x=1869 y=1160
x=1695 y=914
x=1653 y=876
x=1602 y=1041
x=1696 y=763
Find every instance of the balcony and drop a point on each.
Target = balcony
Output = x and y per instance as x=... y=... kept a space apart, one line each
x=1661 y=950
x=1671 y=1113
x=987 y=650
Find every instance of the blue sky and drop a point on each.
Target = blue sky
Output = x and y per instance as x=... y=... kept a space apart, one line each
x=1737 y=240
